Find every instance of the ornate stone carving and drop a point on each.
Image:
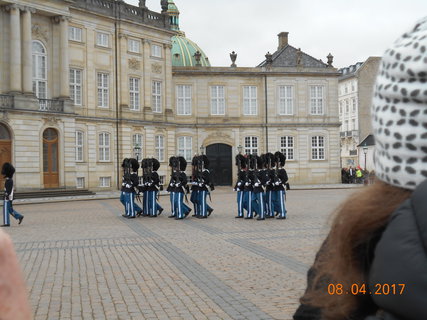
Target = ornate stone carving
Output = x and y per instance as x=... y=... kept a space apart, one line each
x=134 y=64
x=58 y=19
x=39 y=32
x=156 y=68
x=51 y=121
x=4 y=116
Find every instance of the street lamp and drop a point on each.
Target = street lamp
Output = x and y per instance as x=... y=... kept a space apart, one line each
x=365 y=151
x=240 y=149
x=136 y=150
x=202 y=150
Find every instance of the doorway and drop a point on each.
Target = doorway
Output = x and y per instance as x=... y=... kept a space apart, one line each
x=5 y=149
x=220 y=158
x=50 y=158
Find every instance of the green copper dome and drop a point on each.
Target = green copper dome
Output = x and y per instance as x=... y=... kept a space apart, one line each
x=183 y=51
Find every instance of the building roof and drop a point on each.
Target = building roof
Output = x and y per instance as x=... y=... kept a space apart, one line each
x=288 y=57
x=368 y=141
x=183 y=50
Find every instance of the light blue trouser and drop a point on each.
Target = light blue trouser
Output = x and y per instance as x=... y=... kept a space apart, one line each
x=8 y=210
x=203 y=207
x=180 y=208
x=269 y=204
x=172 y=199
x=194 y=198
x=279 y=202
x=152 y=206
x=123 y=201
x=247 y=203
x=130 y=204
x=240 y=203
x=258 y=204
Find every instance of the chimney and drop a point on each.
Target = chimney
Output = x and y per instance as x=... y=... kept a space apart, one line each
x=283 y=40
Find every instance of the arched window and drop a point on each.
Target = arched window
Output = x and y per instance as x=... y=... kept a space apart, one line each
x=39 y=70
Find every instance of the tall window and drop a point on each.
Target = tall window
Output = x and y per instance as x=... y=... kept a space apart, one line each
x=75 y=34
x=316 y=99
x=134 y=94
x=159 y=148
x=287 y=147
x=183 y=99
x=340 y=107
x=104 y=182
x=80 y=182
x=249 y=100
x=76 y=86
x=157 y=96
x=217 y=100
x=39 y=70
x=286 y=100
x=347 y=106
x=102 y=39
x=353 y=124
x=79 y=146
x=185 y=147
x=133 y=45
x=317 y=148
x=137 y=142
x=156 y=51
x=354 y=104
x=103 y=90
x=104 y=146
x=251 y=145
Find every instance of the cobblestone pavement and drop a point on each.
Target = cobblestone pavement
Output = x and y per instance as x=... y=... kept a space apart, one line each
x=82 y=260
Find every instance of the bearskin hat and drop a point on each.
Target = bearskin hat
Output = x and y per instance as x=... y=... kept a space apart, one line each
x=259 y=162
x=205 y=160
x=134 y=164
x=242 y=160
x=156 y=164
x=125 y=162
x=194 y=160
x=173 y=161
x=280 y=157
x=182 y=163
x=270 y=160
x=7 y=170
x=252 y=161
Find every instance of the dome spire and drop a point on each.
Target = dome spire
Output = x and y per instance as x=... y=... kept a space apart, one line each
x=173 y=15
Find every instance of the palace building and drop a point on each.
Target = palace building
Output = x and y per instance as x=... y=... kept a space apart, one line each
x=86 y=83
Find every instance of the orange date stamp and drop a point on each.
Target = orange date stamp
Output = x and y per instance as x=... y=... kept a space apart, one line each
x=361 y=288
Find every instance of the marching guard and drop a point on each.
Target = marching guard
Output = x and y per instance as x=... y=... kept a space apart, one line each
x=279 y=189
x=240 y=184
x=151 y=184
x=194 y=197
x=129 y=183
x=7 y=171
x=177 y=188
x=204 y=182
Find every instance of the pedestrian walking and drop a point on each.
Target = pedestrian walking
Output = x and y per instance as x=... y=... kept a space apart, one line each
x=8 y=171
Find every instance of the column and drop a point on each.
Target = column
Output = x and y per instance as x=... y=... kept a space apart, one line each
x=27 y=60
x=168 y=77
x=147 y=74
x=64 y=91
x=15 y=49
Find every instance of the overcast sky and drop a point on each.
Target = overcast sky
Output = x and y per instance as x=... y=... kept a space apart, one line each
x=350 y=30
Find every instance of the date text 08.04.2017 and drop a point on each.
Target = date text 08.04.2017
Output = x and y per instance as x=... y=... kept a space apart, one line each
x=362 y=288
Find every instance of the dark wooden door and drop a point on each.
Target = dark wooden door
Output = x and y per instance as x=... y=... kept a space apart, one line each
x=220 y=159
x=5 y=150
x=50 y=159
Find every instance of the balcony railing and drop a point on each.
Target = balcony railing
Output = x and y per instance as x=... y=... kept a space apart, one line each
x=54 y=105
x=6 y=101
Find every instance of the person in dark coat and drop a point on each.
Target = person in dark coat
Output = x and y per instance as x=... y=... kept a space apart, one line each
x=7 y=171
x=373 y=263
x=240 y=183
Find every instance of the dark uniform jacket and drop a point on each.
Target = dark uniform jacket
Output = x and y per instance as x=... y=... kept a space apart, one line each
x=178 y=182
x=8 y=189
x=129 y=186
x=152 y=182
x=240 y=184
x=282 y=179
x=399 y=257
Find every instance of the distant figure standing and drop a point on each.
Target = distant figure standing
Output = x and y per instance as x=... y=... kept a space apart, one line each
x=7 y=171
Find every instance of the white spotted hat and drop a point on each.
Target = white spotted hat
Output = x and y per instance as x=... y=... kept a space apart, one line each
x=399 y=111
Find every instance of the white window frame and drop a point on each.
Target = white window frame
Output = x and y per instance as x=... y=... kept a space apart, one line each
x=104 y=146
x=317 y=99
x=39 y=72
x=217 y=100
x=185 y=147
x=79 y=146
x=159 y=147
x=103 y=85
x=287 y=147
x=137 y=141
x=102 y=39
x=354 y=105
x=286 y=100
x=76 y=91
x=80 y=182
x=250 y=106
x=134 y=46
x=183 y=100
x=251 y=145
x=156 y=95
x=75 y=33
x=156 y=50
x=318 y=148
x=104 y=182
x=134 y=94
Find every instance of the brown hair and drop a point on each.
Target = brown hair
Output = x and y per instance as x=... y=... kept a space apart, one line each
x=343 y=258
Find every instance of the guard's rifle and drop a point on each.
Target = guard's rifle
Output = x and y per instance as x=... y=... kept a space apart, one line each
x=256 y=176
x=126 y=174
x=149 y=171
x=276 y=171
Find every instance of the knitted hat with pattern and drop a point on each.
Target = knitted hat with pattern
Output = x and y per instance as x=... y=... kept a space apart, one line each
x=399 y=111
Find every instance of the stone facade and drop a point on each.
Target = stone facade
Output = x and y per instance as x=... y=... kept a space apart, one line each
x=107 y=85
x=356 y=85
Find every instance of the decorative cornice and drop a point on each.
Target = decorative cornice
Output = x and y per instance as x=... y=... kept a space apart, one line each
x=39 y=32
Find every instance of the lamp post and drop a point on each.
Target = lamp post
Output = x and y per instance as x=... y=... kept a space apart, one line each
x=365 y=151
x=240 y=149
x=202 y=150
x=136 y=150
